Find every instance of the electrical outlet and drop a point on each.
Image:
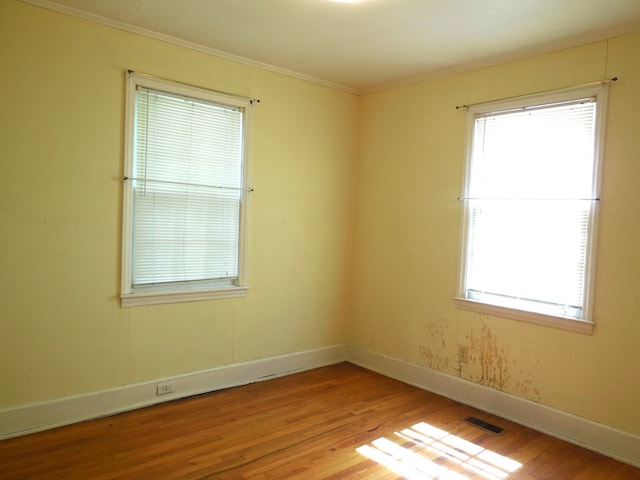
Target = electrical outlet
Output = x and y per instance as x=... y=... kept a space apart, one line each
x=164 y=388
x=463 y=354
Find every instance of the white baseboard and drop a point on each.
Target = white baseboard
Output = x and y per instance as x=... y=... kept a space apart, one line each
x=41 y=416
x=614 y=443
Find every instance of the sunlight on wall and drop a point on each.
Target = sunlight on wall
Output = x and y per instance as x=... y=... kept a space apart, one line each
x=436 y=454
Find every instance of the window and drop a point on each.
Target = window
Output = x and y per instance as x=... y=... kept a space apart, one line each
x=530 y=203
x=185 y=193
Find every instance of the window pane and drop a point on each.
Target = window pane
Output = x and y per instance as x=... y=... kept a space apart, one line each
x=531 y=250
x=181 y=140
x=530 y=194
x=544 y=153
x=184 y=233
x=187 y=190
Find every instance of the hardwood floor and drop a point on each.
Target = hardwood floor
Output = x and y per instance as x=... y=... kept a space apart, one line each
x=337 y=422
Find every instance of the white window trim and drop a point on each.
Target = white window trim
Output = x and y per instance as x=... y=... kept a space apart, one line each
x=563 y=323
x=129 y=298
x=585 y=325
x=137 y=299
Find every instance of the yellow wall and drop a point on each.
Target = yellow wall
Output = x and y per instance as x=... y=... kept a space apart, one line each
x=62 y=331
x=407 y=234
x=61 y=151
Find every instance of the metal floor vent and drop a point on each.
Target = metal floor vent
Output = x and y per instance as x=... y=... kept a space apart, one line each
x=485 y=425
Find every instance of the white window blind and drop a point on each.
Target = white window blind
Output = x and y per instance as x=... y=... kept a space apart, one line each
x=530 y=200
x=187 y=187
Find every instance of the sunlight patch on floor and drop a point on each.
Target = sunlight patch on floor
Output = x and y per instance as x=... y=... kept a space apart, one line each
x=429 y=453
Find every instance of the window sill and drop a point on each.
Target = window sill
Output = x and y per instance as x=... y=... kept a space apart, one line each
x=156 y=298
x=569 y=324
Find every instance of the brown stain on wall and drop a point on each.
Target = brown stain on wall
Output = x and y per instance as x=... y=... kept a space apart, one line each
x=526 y=386
x=498 y=368
x=432 y=346
x=492 y=358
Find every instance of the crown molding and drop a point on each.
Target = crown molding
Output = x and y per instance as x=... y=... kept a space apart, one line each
x=49 y=5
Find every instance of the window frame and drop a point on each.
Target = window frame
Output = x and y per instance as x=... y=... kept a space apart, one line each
x=584 y=325
x=179 y=291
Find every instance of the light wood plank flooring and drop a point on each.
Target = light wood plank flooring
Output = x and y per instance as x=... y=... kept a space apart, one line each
x=337 y=422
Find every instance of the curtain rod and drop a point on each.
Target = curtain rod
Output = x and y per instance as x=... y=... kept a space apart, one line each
x=600 y=82
x=187 y=184
x=250 y=99
x=514 y=199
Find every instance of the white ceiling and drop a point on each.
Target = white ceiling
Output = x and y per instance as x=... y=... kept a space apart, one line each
x=369 y=44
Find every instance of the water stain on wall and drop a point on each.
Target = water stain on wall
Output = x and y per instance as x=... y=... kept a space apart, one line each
x=498 y=368
x=432 y=347
x=526 y=384
x=492 y=358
